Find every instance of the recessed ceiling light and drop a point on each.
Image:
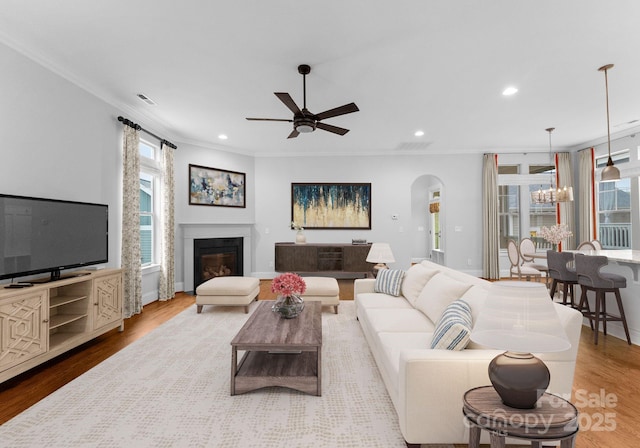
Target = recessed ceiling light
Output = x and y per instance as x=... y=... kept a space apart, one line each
x=509 y=91
x=419 y=133
x=222 y=137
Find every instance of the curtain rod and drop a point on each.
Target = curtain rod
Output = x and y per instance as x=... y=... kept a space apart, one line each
x=140 y=128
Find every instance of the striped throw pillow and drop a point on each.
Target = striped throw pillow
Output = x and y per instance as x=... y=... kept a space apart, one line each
x=454 y=327
x=389 y=281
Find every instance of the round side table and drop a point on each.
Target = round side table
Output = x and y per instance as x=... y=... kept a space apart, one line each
x=552 y=419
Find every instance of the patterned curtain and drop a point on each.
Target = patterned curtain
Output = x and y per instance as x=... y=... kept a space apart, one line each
x=131 y=254
x=566 y=210
x=166 y=288
x=491 y=227
x=586 y=195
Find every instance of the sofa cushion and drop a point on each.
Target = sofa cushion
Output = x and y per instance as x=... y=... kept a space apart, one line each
x=397 y=319
x=389 y=281
x=438 y=293
x=454 y=327
x=414 y=280
x=379 y=300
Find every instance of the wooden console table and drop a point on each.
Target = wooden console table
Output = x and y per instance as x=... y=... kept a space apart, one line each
x=324 y=258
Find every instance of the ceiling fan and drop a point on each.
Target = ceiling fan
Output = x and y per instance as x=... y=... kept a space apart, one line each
x=303 y=120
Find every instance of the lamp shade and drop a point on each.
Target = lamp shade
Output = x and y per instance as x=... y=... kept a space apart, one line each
x=380 y=253
x=520 y=317
x=610 y=173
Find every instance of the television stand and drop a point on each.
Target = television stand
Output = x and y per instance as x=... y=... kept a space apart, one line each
x=48 y=319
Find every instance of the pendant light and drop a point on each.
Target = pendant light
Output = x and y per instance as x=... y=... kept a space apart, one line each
x=552 y=195
x=610 y=173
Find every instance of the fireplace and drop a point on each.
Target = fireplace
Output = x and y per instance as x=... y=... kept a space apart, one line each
x=216 y=257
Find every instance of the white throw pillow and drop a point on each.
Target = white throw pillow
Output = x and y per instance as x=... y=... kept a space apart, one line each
x=414 y=280
x=453 y=328
x=438 y=293
x=389 y=281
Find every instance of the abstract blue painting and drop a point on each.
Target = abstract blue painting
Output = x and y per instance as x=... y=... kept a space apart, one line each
x=331 y=205
x=212 y=186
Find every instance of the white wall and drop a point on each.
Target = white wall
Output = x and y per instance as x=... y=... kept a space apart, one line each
x=391 y=180
x=58 y=141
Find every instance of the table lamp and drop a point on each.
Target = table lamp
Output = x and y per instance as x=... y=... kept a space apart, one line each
x=380 y=253
x=519 y=317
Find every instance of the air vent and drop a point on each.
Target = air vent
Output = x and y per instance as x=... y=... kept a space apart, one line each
x=146 y=99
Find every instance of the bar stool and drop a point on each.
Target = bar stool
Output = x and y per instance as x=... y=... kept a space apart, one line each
x=559 y=272
x=591 y=279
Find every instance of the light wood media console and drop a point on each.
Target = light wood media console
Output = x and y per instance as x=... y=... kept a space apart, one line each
x=40 y=322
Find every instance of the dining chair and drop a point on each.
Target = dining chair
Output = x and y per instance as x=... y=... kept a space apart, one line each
x=590 y=278
x=527 y=246
x=516 y=268
x=560 y=272
x=597 y=244
x=586 y=245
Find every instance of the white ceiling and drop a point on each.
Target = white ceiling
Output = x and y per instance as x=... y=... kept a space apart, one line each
x=435 y=65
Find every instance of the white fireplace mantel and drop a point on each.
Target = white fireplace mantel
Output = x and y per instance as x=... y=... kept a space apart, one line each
x=194 y=231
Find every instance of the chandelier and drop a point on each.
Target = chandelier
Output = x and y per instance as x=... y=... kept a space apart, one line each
x=552 y=195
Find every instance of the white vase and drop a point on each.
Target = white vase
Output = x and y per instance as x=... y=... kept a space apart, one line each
x=300 y=237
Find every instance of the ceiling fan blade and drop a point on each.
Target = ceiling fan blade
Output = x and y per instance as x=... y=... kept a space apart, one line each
x=330 y=128
x=293 y=134
x=342 y=110
x=269 y=119
x=288 y=101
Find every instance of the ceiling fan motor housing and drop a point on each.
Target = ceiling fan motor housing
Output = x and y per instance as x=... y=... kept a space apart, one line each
x=304 y=124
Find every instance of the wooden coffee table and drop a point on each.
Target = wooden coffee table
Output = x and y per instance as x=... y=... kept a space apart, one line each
x=278 y=352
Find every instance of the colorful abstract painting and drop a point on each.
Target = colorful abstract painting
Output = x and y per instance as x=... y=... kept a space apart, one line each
x=211 y=186
x=331 y=206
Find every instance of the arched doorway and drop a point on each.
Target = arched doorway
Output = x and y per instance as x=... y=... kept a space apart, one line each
x=427 y=219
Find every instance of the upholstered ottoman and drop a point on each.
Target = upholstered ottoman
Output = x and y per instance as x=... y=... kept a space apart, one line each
x=229 y=290
x=324 y=289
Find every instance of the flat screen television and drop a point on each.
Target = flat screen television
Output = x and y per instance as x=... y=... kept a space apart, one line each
x=40 y=235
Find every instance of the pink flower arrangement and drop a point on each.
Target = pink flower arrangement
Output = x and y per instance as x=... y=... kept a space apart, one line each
x=555 y=233
x=287 y=284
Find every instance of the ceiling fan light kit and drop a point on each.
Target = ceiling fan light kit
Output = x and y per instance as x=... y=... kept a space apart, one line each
x=304 y=121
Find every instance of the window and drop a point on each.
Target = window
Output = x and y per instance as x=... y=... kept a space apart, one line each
x=614 y=214
x=509 y=213
x=518 y=216
x=614 y=205
x=149 y=197
x=618 y=157
x=541 y=215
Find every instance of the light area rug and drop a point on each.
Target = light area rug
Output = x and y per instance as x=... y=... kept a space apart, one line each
x=171 y=389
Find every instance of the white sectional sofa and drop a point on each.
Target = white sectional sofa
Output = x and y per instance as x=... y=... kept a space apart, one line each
x=427 y=385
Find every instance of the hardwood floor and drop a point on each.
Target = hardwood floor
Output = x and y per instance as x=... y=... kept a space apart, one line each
x=606 y=387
